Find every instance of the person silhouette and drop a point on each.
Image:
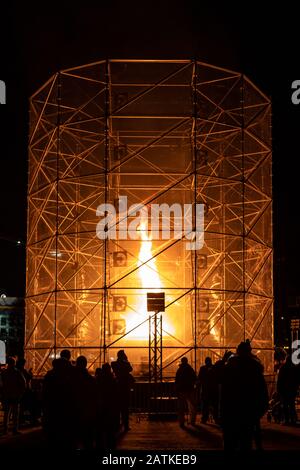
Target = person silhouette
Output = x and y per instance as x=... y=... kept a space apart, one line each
x=216 y=380
x=108 y=412
x=185 y=381
x=287 y=387
x=205 y=384
x=83 y=399
x=122 y=370
x=13 y=389
x=244 y=400
x=28 y=401
x=57 y=404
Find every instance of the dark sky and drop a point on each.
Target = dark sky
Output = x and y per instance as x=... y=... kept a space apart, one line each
x=37 y=39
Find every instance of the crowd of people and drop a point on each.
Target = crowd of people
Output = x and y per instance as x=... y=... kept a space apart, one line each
x=85 y=411
x=234 y=395
x=82 y=411
x=77 y=410
x=17 y=395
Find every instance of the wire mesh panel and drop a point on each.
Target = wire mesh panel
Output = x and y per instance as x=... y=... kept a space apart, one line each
x=163 y=134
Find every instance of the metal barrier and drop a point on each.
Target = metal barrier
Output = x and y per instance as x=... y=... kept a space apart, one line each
x=154 y=398
x=160 y=397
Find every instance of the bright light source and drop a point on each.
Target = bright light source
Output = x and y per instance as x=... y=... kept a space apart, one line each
x=55 y=254
x=148 y=276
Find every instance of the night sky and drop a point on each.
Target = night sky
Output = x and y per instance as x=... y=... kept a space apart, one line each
x=39 y=38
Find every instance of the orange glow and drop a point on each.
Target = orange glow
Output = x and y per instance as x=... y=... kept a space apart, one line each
x=149 y=278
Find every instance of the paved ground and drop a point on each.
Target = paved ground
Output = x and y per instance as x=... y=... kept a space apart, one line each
x=167 y=435
x=152 y=435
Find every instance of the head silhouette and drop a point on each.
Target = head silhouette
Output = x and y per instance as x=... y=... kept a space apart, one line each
x=81 y=362
x=65 y=354
x=227 y=355
x=11 y=362
x=184 y=360
x=106 y=369
x=244 y=348
x=121 y=355
x=208 y=361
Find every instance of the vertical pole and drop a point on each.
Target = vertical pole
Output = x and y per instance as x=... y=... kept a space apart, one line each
x=77 y=340
x=106 y=169
x=243 y=206
x=149 y=351
x=161 y=349
x=155 y=348
x=223 y=293
x=194 y=140
x=58 y=100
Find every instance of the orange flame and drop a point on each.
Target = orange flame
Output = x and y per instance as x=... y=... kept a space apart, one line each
x=150 y=279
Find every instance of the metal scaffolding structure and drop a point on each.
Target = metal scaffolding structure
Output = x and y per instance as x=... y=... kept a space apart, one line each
x=156 y=304
x=155 y=348
x=156 y=132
